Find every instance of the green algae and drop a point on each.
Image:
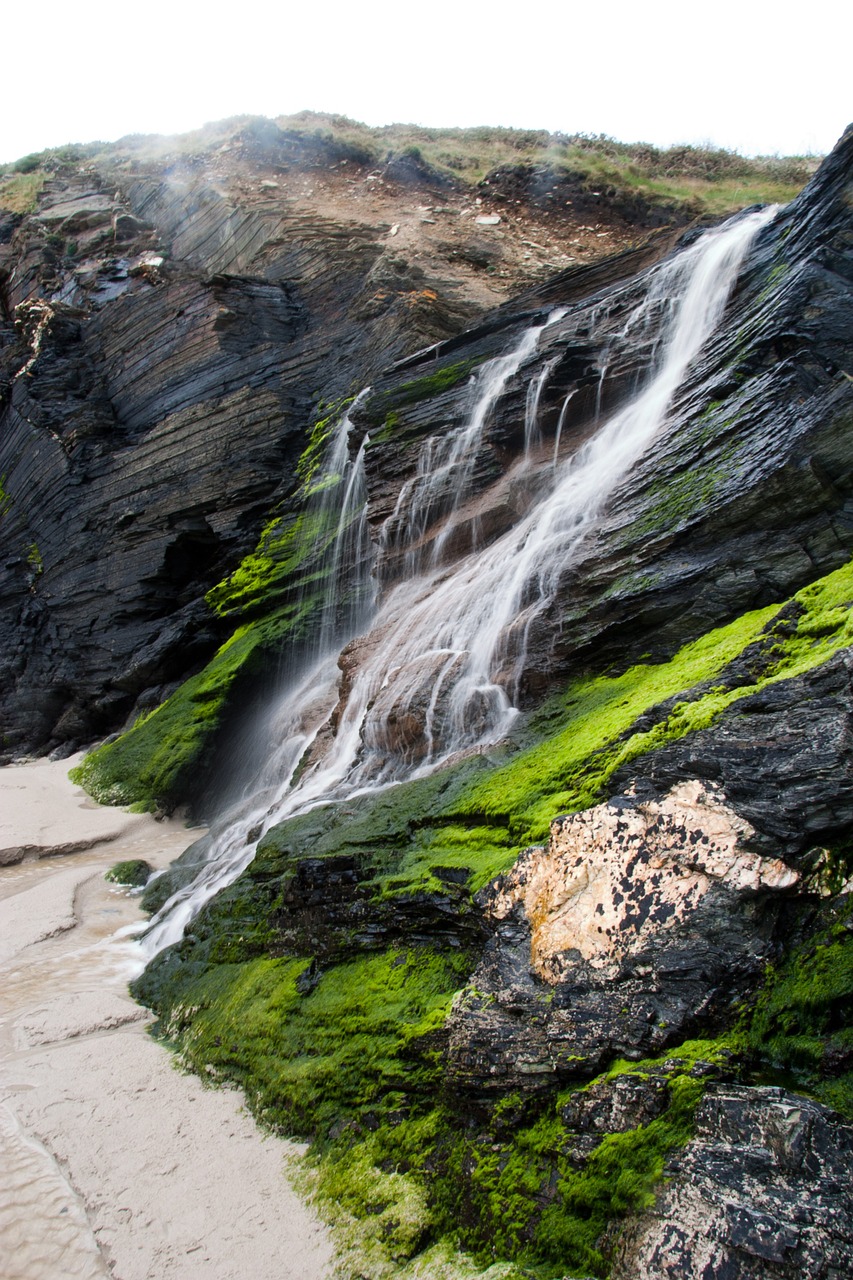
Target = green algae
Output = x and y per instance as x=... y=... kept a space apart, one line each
x=288 y=557
x=509 y=1182
x=314 y=1051
x=424 y=388
x=801 y=1026
x=571 y=769
x=155 y=763
x=270 y=571
x=312 y=456
x=351 y=1056
x=477 y=815
x=501 y=1183
x=276 y=593
x=348 y=1050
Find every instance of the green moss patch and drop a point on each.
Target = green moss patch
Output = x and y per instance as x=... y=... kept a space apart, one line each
x=571 y=769
x=315 y=1051
x=277 y=592
x=351 y=1055
x=154 y=764
x=134 y=874
x=432 y=384
x=475 y=817
x=287 y=562
x=271 y=571
x=497 y=1184
x=383 y=411
x=801 y=1029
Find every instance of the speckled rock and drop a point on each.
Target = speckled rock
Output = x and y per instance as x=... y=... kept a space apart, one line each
x=639 y=921
x=762 y=1192
x=615 y=878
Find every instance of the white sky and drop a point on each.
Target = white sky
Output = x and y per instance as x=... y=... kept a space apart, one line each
x=749 y=75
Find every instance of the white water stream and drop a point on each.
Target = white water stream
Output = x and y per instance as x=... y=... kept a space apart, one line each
x=437 y=667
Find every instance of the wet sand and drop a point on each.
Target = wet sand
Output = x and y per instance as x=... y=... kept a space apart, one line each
x=112 y=1163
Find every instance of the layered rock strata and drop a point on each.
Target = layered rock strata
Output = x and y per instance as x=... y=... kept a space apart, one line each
x=528 y=1043
x=167 y=332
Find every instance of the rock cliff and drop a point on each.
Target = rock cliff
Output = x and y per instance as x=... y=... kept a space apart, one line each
x=570 y=998
x=171 y=326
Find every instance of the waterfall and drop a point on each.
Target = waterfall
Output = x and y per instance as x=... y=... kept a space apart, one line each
x=445 y=464
x=336 y=499
x=439 y=659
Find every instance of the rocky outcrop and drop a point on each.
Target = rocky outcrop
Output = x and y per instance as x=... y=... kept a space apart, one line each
x=616 y=878
x=760 y=1192
x=526 y=1036
x=168 y=324
x=638 y=923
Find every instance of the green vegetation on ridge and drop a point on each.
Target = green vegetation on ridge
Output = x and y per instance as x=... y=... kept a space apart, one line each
x=710 y=180
x=153 y=764
x=689 y=179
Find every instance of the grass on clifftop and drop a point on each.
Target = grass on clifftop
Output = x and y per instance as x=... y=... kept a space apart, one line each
x=19 y=192
x=699 y=180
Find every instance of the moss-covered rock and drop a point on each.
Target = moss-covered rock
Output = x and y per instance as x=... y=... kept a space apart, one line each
x=134 y=874
x=159 y=761
x=800 y=1030
x=294 y=984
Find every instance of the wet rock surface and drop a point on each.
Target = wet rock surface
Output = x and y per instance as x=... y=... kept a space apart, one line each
x=795 y=789
x=745 y=496
x=761 y=1192
x=638 y=923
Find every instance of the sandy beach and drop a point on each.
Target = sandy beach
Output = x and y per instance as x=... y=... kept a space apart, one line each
x=113 y=1163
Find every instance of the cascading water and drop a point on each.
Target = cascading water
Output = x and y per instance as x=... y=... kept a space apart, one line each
x=336 y=500
x=438 y=664
x=532 y=432
x=445 y=464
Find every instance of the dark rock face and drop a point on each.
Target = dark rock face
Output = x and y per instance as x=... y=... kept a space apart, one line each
x=325 y=911
x=784 y=758
x=761 y=1192
x=160 y=354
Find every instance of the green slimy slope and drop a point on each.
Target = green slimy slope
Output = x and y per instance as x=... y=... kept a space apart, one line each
x=478 y=815
x=347 y=1048
x=151 y=765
